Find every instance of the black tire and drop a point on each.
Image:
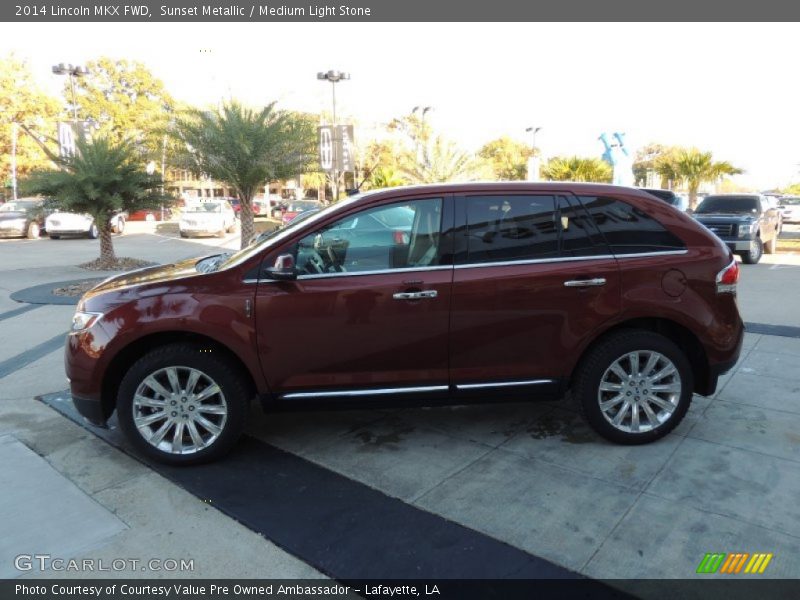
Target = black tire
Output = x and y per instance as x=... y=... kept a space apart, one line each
x=93 y=232
x=218 y=369
x=597 y=364
x=771 y=246
x=55 y=237
x=33 y=231
x=184 y=235
x=754 y=254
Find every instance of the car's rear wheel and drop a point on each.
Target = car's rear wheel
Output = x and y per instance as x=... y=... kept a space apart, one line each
x=33 y=231
x=634 y=387
x=181 y=404
x=93 y=232
x=771 y=246
x=753 y=255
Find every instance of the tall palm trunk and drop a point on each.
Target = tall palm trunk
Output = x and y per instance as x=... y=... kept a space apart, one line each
x=693 y=188
x=107 y=256
x=247 y=223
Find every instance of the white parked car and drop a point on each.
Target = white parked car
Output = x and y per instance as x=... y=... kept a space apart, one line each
x=203 y=218
x=67 y=223
x=790 y=209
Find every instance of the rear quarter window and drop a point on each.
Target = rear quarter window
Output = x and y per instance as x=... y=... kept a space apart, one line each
x=627 y=229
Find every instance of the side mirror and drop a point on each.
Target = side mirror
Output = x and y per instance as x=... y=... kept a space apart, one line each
x=283 y=269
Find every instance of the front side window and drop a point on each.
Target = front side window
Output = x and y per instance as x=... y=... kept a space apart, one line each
x=396 y=236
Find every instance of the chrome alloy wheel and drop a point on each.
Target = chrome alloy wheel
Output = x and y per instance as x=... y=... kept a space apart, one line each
x=640 y=391
x=179 y=410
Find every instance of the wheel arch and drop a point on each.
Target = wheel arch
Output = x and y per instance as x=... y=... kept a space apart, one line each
x=119 y=365
x=675 y=332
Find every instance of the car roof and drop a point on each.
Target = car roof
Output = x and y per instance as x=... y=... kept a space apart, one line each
x=498 y=186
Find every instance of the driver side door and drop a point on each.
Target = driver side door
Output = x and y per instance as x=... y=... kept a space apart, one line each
x=369 y=310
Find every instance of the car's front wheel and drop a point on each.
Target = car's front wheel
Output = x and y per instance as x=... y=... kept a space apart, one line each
x=93 y=232
x=33 y=231
x=181 y=404
x=753 y=255
x=634 y=387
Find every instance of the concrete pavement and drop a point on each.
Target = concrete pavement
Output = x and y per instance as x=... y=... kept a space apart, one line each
x=531 y=475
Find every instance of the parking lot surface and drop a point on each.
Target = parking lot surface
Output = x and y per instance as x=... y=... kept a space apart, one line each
x=531 y=476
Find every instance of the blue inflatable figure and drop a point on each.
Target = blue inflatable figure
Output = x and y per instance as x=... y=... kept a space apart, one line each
x=617 y=155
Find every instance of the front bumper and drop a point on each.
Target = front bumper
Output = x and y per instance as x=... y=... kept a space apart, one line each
x=738 y=245
x=91 y=410
x=67 y=231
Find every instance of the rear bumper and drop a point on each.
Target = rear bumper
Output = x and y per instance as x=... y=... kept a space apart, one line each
x=715 y=370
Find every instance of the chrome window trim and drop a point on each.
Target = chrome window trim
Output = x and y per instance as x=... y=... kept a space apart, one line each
x=376 y=272
x=506 y=263
x=371 y=392
x=499 y=384
x=536 y=261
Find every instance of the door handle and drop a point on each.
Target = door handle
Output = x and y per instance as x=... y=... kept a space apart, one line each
x=415 y=295
x=585 y=282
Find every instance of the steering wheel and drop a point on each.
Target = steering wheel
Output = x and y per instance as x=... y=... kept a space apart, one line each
x=314 y=263
x=336 y=264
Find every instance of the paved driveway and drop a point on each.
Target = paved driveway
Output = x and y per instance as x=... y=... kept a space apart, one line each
x=532 y=476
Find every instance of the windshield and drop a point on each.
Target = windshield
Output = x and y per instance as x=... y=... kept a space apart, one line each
x=728 y=204
x=301 y=206
x=17 y=206
x=207 y=207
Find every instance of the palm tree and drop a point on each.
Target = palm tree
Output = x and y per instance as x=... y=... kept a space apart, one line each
x=438 y=162
x=248 y=148
x=577 y=168
x=694 y=168
x=385 y=177
x=102 y=178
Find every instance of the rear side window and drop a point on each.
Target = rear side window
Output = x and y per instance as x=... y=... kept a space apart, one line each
x=627 y=229
x=507 y=228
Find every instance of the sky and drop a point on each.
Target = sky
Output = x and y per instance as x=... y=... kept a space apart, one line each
x=729 y=88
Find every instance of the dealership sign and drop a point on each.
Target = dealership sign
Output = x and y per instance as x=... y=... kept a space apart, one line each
x=336 y=148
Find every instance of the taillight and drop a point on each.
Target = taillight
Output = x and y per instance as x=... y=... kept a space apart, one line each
x=727 y=279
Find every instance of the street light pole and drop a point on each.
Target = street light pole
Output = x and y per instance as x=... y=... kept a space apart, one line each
x=533 y=161
x=72 y=71
x=334 y=77
x=14 y=135
x=422 y=148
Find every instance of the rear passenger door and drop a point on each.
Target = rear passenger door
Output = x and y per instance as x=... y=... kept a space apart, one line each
x=533 y=278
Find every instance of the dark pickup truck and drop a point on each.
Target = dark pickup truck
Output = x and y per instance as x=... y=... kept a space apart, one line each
x=745 y=222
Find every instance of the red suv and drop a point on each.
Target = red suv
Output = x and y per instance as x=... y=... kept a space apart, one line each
x=459 y=292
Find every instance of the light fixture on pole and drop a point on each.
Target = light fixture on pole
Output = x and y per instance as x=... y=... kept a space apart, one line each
x=72 y=71
x=334 y=77
x=533 y=161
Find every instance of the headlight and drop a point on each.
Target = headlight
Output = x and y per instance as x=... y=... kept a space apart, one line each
x=81 y=321
x=745 y=228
